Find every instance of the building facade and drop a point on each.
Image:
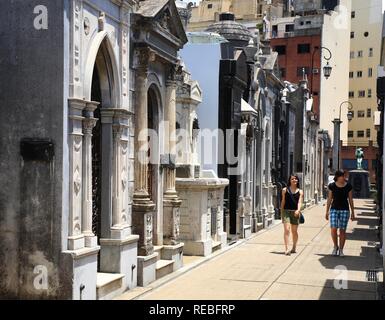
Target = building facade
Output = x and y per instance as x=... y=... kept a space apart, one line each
x=365 y=51
x=306 y=43
x=248 y=12
x=95 y=209
x=379 y=123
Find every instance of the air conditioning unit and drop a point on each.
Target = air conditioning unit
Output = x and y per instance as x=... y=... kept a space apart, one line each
x=377 y=119
x=315 y=71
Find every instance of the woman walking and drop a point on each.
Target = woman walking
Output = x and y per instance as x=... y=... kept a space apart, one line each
x=292 y=198
x=337 y=210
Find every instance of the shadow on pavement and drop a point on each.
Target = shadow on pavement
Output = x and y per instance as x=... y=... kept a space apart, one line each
x=367 y=214
x=366 y=260
x=356 y=290
x=278 y=252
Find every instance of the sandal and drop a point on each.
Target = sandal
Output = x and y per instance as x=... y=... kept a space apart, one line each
x=288 y=253
x=293 y=251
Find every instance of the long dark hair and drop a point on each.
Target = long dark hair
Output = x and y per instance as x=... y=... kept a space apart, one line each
x=289 y=181
x=339 y=173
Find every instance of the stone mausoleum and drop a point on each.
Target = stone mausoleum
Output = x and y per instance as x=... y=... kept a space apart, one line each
x=85 y=215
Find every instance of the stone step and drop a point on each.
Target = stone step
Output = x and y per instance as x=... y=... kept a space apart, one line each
x=158 y=249
x=163 y=268
x=109 y=285
x=247 y=231
x=216 y=245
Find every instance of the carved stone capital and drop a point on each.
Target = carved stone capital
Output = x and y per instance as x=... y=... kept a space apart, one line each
x=174 y=74
x=142 y=58
x=117 y=131
x=88 y=125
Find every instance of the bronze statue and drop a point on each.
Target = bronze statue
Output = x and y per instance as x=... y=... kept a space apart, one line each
x=360 y=157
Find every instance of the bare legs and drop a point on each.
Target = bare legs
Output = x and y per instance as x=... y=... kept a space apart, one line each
x=286 y=235
x=294 y=231
x=342 y=237
x=334 y=237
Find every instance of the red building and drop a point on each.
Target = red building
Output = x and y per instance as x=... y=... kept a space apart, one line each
x=299 y=53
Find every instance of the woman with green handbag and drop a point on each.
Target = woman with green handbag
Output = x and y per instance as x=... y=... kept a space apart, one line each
x=291 y=204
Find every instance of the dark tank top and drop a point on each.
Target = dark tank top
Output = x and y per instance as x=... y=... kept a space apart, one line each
x=289 y=203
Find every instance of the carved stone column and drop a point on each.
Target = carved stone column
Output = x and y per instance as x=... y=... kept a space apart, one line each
x=88 y=124
x=171 y=202
x=75 y=145
x=106 y=119
x=143 y=207
x=120 y=227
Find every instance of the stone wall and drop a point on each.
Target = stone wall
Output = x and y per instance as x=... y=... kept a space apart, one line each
x=31 y=77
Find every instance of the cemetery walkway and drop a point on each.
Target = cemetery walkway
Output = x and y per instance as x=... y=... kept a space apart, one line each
x=258 y=268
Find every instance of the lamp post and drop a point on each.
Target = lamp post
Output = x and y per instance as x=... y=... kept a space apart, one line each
x=326 y=69
x=337 y=127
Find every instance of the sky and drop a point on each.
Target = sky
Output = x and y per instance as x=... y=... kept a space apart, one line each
x=197 y=1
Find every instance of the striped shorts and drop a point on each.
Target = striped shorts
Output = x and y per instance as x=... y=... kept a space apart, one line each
x=339 y=218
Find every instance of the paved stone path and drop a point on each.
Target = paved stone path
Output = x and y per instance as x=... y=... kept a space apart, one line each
x=258 y=269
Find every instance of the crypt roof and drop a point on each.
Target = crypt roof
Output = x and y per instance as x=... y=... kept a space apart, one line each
x=229 y=28
x=166 y=14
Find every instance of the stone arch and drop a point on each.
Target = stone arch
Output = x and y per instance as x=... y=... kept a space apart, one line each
x=101 y=54
x=154 y=183
x=154 y=117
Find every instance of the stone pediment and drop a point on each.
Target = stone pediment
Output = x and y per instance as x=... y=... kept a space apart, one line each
x=164 y=18
x=196 y=91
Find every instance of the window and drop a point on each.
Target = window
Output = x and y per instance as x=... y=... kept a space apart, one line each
x=209 y=6
x=351 y=94
x=300 y=71
x=308 y=22
x=351 y=54
x=352 y=35
x=360 y=134
x=351 y=74
x=370 y=72
x=368 y=113
x=361 y=93
x=303 y=48
x=315 y=93
x=283 y=72
x=370 y=52
x=353 y=14
x=289 y=28
x=360 y=54
x=359 y=74
x=369 y=93
x=281 y=50
x=350 y=134
x=361 y=113
x=368 y=133
x=366 y=34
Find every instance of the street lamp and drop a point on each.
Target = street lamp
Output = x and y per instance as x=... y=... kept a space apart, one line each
x=327 y=69
x=337 y=127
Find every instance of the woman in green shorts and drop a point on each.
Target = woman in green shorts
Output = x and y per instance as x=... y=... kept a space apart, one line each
x=292 y=198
